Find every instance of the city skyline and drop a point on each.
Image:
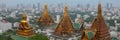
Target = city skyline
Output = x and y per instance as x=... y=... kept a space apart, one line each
x=13 y=3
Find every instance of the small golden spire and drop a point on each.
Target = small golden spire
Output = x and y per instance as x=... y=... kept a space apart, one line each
x=99 y=9
x=45 y=6
x=24 y=16
x=66 y=11
x=45 y=9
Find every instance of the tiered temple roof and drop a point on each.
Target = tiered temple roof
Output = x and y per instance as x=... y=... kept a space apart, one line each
x=65 y=26
x=102 y=31
x=46 y=19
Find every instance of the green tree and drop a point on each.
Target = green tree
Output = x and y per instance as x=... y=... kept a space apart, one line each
x=2 y=37
x=39 y=37
x=41 y=25
x=13 y=20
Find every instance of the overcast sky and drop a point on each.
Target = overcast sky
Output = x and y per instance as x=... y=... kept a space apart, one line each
x=69 y=2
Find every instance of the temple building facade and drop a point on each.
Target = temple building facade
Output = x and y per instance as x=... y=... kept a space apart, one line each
x=65 y=26
x=98 y=30
x=46 y=19
x=24 y=29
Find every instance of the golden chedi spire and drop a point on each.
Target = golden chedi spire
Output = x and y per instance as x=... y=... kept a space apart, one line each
x=45 y=10
x=102 y=31
x=24 y=29
x=24 y=16
x=46 y=19
x=65 y=26
x=99 y=9
x=66 y=11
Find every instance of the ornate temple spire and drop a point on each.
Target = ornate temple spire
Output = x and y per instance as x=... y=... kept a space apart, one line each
x=46 y=19
x=99 y=28
x=24 y=16
x=66 y=11
x=65 y=26
x=100 y=25
x=99 y=9
x=45 y=10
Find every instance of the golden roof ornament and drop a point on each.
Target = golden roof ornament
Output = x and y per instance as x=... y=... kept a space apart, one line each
x=66 y=11
x=24 y=16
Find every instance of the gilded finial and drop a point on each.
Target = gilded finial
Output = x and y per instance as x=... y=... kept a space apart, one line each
x=45 y=6
x=99 y=9
x=45 y=9
x=24 y=15
x=66 y=11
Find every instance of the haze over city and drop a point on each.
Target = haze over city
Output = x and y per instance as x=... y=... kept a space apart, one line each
x=13 y=3
x=59 y=20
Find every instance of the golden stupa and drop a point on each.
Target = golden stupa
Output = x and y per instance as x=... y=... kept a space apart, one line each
x=24 y=29
x=88 y=34
x=99 y=28
x=65 y=26
x=46 y=19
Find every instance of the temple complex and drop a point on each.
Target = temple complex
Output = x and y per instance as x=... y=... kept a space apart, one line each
x=88 y=34
x=80 y=30
x=46 y=19
x=99 y=29
x=65 y=26
x=24 y=29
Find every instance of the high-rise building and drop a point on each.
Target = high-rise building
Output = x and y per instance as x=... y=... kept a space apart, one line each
x=24 y=29
x=65 y=26
x=78 y=5
x=98 y=30
x=2 y=6
x=109 y=5
x=18 y=5
x=88 y=6
x=38 y=5
x=46 y=19
x=22 y=6
x=34 y=6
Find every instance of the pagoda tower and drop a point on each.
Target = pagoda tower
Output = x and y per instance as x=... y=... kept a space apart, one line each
x=46 y=19
x=65 y=26
x=101 y=31
x=24 y=29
